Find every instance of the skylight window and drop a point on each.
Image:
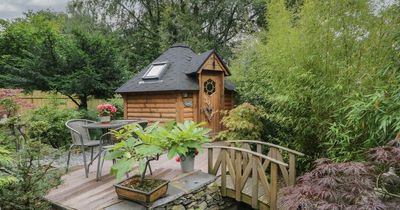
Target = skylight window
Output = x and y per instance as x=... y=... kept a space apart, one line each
x=155 y=71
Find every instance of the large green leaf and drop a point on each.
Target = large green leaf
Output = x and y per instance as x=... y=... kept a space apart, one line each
x=172 y=152
x=121 y=167
x=114 y=154
x=148 y=150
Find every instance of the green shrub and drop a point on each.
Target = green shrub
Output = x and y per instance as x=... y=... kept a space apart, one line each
x=33 y=178
x=90 y=114
x=47 y=124
x=6 y=177
x=327 y=75
x=245 y=122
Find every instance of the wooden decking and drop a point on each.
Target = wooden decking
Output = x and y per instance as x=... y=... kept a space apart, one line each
x=246 y=174
x=78 y=192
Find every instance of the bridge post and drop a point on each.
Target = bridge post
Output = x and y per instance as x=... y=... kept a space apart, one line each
x=292 y=169
x=259 y=148
x=238 y=182
x=254 y=179
x=223 y=172
x=274 y=181
x=210 y=160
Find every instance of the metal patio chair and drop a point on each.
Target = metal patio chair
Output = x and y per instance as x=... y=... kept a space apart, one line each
x=81 y=138
x=107 y=139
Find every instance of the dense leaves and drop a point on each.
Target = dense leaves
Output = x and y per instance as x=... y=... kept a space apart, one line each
x=333 y=186
x=184 y=139
x=349 y=185
x=243 y=122
x=149 y=27
x=34 y=178
x=47 y=125
x=135 y=147
x=6 y=176
x=327 y=74
x=71 y=55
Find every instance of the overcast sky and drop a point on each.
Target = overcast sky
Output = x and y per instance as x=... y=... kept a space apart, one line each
x=15 y=8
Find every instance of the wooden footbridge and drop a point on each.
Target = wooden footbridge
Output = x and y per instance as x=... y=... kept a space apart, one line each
x=253 y=171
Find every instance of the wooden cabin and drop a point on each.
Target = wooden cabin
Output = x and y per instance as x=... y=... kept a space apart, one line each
x=180 y=85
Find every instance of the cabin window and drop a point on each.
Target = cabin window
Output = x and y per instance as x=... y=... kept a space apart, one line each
x=155 y=71
x=209 y=86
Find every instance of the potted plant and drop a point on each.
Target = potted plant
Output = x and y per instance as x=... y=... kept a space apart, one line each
x=105 y=112
x=185 y=140
x=130 y=152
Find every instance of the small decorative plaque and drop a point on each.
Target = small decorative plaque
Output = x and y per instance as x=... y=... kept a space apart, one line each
x=187 y=103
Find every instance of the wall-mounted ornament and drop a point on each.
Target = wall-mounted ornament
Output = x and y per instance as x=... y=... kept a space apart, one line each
x=188 y=103
x=208 y=109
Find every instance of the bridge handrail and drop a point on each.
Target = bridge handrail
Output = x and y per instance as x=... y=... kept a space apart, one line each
x=248 y=151
x=267 y=144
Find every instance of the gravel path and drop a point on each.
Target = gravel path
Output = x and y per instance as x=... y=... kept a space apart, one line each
x=75 y=160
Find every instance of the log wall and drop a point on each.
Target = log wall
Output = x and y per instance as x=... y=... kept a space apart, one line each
x=228 y=100
x=162 y=107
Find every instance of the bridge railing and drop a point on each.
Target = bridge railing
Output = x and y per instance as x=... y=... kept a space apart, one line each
x=274 y=151
x=262 y=169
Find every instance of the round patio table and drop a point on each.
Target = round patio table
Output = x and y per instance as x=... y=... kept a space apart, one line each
x=113 y=124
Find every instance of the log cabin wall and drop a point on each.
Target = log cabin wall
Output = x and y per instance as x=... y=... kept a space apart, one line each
x=162 y=107
x=228 y=100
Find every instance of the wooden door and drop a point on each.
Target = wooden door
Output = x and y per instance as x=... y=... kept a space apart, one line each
x=211 y=98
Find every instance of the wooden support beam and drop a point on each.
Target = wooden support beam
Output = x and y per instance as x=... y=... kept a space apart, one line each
x=238 y=166
x=292 y=169
x=254 y=185
x=274 y=181
x=210 y=161
x=223 y=172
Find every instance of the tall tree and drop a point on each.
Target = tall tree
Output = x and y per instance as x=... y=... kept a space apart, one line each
x=52 y=52
x=148 y=27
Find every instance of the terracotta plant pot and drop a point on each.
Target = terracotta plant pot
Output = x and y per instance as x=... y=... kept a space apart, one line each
x=132 y=194
x=187 y=164
x=105 y=119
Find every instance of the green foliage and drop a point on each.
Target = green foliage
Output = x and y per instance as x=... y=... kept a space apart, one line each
x=133 y=150
x=243 y=122
x=11 y=132
x=33 y=178
x=137 y=144
x=10 y=105
x=47 y=125
x=90 y=114
x=148 y=28
x=6 y=177
x=184 y=139
x=47 y=51
x=327 y=75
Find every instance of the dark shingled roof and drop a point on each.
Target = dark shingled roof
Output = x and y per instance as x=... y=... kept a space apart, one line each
x=183 y=62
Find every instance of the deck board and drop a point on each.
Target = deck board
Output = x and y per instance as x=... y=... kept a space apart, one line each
x=78 y=192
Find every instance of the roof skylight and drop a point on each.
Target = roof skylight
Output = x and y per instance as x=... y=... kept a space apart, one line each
x=155 y=71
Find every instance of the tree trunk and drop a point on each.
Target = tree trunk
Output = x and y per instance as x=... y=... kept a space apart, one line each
x=84 y=103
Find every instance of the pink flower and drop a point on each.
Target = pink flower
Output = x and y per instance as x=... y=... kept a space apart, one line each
x=178 y=159
x=106 y=109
